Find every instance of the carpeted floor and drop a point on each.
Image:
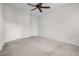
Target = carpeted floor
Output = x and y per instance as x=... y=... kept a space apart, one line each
x=38 y=46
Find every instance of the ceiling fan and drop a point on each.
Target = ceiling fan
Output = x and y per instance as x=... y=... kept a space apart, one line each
x=38 y=6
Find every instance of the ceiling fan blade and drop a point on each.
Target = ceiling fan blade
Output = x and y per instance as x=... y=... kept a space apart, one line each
x=45 y=7
x=40 y=4
x=31 y=4
x=40 y=10
x=33 y=9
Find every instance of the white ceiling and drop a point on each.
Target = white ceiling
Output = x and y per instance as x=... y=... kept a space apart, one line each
x=24 y=6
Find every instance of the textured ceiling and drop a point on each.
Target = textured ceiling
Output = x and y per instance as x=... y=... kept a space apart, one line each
x=24 y=6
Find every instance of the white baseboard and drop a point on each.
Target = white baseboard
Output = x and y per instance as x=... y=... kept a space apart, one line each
x=16 y=39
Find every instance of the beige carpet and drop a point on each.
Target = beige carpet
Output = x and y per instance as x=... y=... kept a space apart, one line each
x=38 y=46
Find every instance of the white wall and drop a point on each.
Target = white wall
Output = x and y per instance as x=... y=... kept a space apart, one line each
x=61 y=24
x=1 y=26
x=16 y=24
x=33 y=25
x=11 y=27
x=23 y=20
